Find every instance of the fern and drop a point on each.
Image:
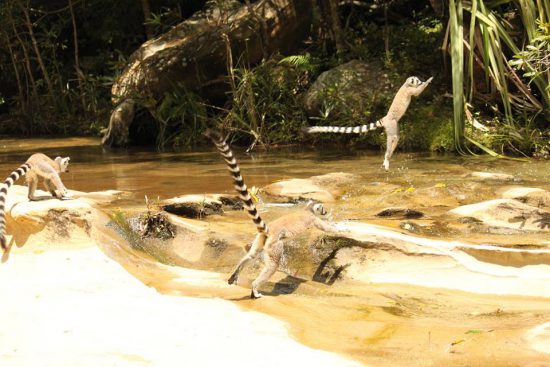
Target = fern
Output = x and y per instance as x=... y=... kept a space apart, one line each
x=303 y=62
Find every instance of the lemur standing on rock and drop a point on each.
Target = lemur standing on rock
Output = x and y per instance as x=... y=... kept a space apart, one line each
x=38 y=165
x=270 y=239
x=412 y=87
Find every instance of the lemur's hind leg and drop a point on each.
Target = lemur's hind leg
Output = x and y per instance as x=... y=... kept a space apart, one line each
x=272 y=258
x=257 y=246
x=51 y=179
x=50 y=187
x=32 y=182
x=392 y=141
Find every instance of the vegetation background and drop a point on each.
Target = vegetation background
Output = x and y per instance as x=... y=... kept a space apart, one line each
x=490 y=60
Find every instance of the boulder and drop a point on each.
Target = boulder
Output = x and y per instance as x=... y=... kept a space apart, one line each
x=193 y=55
x=346 y=89
x=52 y=221
x=507 y=213
x=398 y=212
x=200 y=206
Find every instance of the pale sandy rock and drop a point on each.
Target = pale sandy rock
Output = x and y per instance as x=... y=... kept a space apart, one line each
x=533 y=196
x=507 y=213
x=298 y=188
x=324 y=188
x=51 y=221
x=538 y=338
x=382 y=255
x=491 y=176
x=80 y=308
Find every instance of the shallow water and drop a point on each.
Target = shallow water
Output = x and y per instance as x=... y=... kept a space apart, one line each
x=168 y=174
x=377 y=323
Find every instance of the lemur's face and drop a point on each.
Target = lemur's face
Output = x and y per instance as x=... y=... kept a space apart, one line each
x=317 y=208
x=63 y=163
x=413 y=82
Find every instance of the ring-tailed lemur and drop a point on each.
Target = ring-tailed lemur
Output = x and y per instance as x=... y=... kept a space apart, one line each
x=270 y=239
x=412 y=87
x=38 y=165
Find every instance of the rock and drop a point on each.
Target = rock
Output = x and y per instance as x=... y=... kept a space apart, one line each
x=507 y=213
x=400 y=213
x=529 y=195
x=324 y=188
x=200 y=206
x=492 y=176
x=52 y=221
x=346 y=88
x=194 y=52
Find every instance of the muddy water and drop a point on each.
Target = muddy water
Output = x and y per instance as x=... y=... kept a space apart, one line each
x=378 y=324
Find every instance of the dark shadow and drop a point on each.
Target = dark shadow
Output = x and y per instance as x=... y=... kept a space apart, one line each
x=287 y=285
x=543 y=221
x=328 y=277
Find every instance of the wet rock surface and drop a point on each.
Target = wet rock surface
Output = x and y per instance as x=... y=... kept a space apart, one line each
x=324 y=188
x=507 y=213
x=200 y=206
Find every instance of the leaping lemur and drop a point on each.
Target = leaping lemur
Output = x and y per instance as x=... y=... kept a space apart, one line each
x=38 y=165
x=412 y=87
x=270 y=239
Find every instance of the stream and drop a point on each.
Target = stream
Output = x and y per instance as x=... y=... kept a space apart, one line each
x=440 y=289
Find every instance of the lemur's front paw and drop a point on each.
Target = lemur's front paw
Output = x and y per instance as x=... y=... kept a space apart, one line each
x=255 y=294
x=386 y=165
x=66 y=197
x=429 y=80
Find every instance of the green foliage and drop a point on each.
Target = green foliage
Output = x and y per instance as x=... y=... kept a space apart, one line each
x=181 y=117
x=494 y=45
x=534 y=60
x=266 y=102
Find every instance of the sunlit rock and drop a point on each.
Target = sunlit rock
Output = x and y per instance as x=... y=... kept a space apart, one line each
x=529 y=195
x=507 y=213
x=324 y=188
x=51 y=221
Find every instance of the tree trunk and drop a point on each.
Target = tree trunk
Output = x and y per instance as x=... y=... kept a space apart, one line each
x=34 y=42
x=147 y=17
x=13 y=58
x=336 y=26
x=194 y=54
x=79 y=73
x=30 y=74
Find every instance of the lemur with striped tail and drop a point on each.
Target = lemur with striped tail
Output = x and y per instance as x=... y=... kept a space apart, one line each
x=269 y=238
x=38 y=165
x=412 y=87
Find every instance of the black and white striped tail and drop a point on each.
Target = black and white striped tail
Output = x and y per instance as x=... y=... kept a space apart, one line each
x=14 y=176
x=238 y=181
x=344 y=129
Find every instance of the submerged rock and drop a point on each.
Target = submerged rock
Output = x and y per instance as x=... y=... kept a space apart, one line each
x=494 y=176
x=507 y=213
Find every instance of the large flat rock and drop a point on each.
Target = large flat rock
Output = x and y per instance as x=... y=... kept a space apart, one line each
x=507 y=213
